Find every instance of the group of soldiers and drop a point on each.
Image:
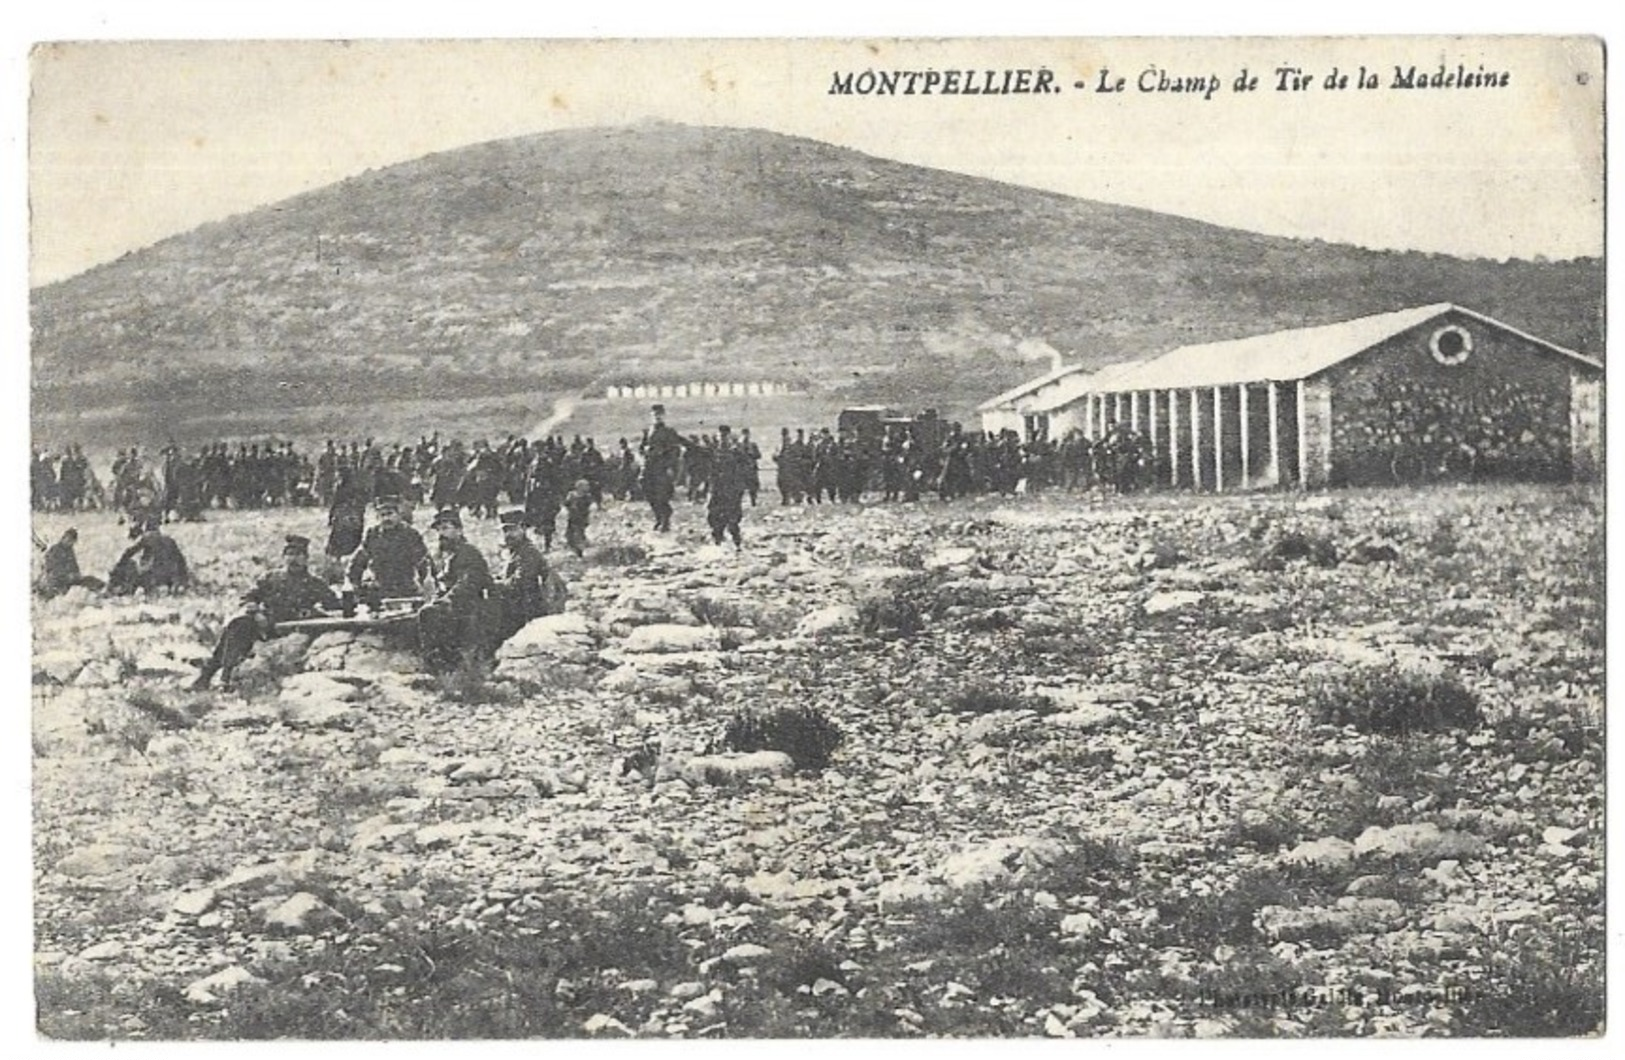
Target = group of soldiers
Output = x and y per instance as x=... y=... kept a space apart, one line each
x=152 y=562
x=904 y=466
x=175 y=485
x=462 y=612
x=540 y=474
x=465 y=611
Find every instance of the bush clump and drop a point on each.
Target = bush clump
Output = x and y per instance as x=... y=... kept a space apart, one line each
x=1294 y=544
x=1393 y=701
x=890 y=615
x=806 y=734
x=985 y=699
x=625 y=554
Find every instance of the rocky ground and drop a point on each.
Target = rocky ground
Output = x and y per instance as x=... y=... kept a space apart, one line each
x=1081 y=788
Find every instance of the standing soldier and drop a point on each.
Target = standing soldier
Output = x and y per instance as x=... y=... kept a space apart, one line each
x=458 y=626
x=544 y=495
x=347 y=518
x=784 y=461
x=280 y=596
x=751 y=458
x=661 y=451
x=522 y=589
x=577 y=511
x=592 y=469
x=626 y=473
x=71 y=479
x=393 y=552
x=729 y=481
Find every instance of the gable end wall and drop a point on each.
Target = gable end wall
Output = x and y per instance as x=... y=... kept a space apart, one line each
x=1502 y=413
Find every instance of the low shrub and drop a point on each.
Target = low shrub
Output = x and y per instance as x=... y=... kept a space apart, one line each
x=713 y=611
x=1542 y=988
x=1394 y=701
x=985 y=699
x=1228 y=915
x=1442 y=540
x=1295 y=544
x=470 y=683
x=626 y=554
x=889 y=615
x=1265 y=831
x=806 y=734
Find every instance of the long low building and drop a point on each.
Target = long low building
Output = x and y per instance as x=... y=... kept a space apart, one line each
x=1428 y=393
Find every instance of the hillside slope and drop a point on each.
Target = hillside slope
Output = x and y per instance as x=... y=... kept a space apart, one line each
x=576 y=259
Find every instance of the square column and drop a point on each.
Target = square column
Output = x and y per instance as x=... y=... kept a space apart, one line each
x=1275 y=433
x=1246 y=430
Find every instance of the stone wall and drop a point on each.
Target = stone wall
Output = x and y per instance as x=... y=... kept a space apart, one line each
x=1400 y=414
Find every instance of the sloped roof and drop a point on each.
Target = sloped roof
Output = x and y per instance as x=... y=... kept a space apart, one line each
x=1297 y=353
x=1103 y=381
x=1029 y=386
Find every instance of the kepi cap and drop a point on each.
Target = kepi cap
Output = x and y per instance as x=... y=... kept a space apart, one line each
x=296 y=545
x=447 y=517
x=513 y=518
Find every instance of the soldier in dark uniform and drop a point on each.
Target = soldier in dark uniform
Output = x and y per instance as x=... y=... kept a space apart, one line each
x=544 y=494
x=662 y=450
x=62 y=568
x=280 y=596
x=577 y=512
x=751 y=464
x=459 y=625
x=392 y=551
x=729 y=481
x=522 y=589
x=153 y=562
x=347 y=516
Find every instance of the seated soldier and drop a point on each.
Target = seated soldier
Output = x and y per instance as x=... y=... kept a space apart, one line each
x=459 y=626
x=392 y=552
x=153 y=562
x=522 y=589
x=62 y=568
x=280 y=596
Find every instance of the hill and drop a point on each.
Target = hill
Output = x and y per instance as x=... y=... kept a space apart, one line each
x=565 y=262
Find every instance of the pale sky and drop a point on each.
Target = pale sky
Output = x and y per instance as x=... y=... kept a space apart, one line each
x=131 y=142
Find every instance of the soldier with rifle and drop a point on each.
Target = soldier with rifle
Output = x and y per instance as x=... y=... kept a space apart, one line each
x=281 y=596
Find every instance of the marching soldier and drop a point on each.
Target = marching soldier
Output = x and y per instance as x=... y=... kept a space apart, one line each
x=392 y=551
x=729 y=482
x=459 y=625
x=280 y=596
x=662 y=450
